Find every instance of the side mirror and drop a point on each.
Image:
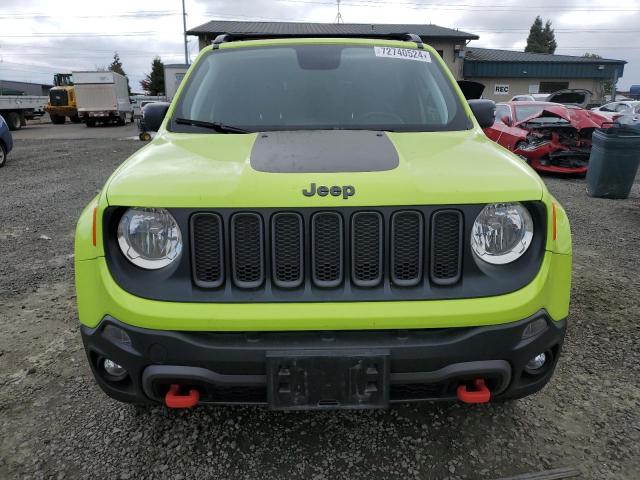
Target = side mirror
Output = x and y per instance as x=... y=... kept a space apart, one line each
x=153 y=115
x=506 y=120
x=484 y=111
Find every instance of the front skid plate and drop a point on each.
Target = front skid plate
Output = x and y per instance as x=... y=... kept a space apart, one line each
x=321 y=379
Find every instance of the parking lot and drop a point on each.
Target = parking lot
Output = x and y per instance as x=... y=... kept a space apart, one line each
x=57 y=423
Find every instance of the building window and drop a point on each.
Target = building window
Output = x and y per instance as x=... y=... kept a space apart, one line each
x=550 y=87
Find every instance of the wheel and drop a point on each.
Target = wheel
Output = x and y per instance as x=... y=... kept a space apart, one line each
x=144 y=136
x=122 y=120
x=3 y=155
x=57 y=119
x=91 y=123
x=13 y=120
x=75 y=118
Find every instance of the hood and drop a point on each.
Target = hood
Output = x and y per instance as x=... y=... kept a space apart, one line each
x=216 y=170
x=577 y=117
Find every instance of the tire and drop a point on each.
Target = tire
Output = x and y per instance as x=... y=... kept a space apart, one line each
x=57 y=119
x=13 y=121
x=91 y=123
x=3 y=155
x=122 y=120
x=75 y=118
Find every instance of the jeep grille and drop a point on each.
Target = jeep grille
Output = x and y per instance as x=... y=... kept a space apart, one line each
x=367 y=257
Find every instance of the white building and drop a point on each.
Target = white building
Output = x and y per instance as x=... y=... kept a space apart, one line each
x=173 y=75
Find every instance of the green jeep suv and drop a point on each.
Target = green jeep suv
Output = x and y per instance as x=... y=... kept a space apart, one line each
x=322 y=223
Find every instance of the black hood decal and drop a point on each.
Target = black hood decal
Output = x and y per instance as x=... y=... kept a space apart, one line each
x=323 y=151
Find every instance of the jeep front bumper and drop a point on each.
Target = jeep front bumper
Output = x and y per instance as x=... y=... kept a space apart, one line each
x=232 y=368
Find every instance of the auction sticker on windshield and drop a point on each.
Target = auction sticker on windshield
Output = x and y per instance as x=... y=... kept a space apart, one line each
x=403 y=53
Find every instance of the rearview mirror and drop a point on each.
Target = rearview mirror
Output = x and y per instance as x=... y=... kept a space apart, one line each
x=484 y=111
x=153 y=115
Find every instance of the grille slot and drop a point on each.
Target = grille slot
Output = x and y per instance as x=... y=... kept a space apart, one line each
x=287 y=250
x=366 y=249
x=247 y=250
x=407 y=240
x=327 y=247
x=207 y=250
x=446 y=247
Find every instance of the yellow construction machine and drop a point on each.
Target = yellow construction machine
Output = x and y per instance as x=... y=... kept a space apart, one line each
x=62 y=100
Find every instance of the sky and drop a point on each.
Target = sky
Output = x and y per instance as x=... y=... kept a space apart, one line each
x=41 y=37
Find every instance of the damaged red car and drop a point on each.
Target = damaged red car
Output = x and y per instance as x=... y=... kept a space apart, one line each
x=551 y=137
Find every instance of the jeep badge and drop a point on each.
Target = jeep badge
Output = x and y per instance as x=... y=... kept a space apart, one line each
x=322 y=191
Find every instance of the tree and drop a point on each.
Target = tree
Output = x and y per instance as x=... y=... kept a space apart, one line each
x=534 y=40
x=153 y=83
x=116 y=66
x=541 y=38
x=549 y=37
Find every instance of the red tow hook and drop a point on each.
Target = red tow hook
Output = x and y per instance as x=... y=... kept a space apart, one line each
x=173 y=399
x=479 y=394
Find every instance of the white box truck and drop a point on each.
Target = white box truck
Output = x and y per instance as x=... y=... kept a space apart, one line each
x=102 y=97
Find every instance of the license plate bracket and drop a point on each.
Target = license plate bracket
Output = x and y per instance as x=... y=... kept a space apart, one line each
x=322 y=380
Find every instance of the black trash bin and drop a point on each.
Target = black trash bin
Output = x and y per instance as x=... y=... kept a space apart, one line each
x=615 y=155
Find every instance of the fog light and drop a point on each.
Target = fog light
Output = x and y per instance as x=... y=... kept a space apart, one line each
x=537 y=362
x=112 y=368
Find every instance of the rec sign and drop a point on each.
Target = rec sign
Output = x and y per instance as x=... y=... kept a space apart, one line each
x=501 y=90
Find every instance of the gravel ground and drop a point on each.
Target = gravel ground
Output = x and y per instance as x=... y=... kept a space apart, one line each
x=58 y=424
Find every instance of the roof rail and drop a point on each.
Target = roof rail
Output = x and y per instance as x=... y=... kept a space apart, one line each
x=233 y=37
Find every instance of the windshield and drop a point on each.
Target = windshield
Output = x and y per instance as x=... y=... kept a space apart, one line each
x=63 y=79
x=319 y=87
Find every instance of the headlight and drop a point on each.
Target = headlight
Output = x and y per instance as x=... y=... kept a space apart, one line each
x=502 y=233
x=149 y=237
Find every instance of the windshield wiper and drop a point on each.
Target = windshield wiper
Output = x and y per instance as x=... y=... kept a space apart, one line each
x=218 y=127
